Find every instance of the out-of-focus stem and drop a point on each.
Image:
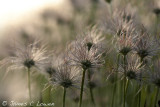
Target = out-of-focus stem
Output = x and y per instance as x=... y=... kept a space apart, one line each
x=90 y=88
x=115 y=85
x=82 y=84
x=29 y=87
x=64 y=96
x=124 y=86
x=139 y=95
x=50 y=100
x=157 y=92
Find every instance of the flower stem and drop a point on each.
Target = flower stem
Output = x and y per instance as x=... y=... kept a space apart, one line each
x=157 y=92
x=115 y=85
x=82 y=84
x=64 y=96
x=49 y=93
x=92 y=98
x=29 y=86
x=50 y=88
x=139 y=96
x=127 y=84
x=90 y=88
x=113 y=94
x=124 y=86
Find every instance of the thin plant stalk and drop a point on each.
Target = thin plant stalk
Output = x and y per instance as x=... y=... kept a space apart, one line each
x=49 y=93
x=41 y=92
x=127 y=84
x=82 y=84
x=115 y=85
x=92 y=97
x=29 y=85
x=124 y=83
x=113 y=94
x=139 y=95
x=64 y=96
x=90 y=88
x=157 y=92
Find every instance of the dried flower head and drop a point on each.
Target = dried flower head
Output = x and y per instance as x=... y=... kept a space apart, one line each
x=156 y=11
x=74 y=95
x=92 y=38
x=50 y=68
x=66 y=76
x=79 y=56
x=28 y=56
x=108 y=1
x=145 y=46
x=155 y=5
x=125 y=41
x=93 y=79
x=54 y=60
x=120 y=20
x=134 y=68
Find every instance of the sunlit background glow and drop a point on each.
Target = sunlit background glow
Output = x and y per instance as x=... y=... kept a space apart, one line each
x=12 y=11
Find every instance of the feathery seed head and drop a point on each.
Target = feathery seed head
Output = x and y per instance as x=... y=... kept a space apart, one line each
x=91 y=84
x=108 y=1
x=156 y=11
x=80 y=56
x=121 y=19
x=145 y=45
x=66 y=83
x=28 y=56
x=29 y=63
x=93 y=79
x=131 y=75
x=50 y=70
x=142 y=53
x=66 y=76
x=133 y=68
x=86 y=64
x=125 y=42
x=124 y=51
x=92 y=38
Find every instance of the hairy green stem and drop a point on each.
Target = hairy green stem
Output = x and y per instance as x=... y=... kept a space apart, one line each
x=139 y=95
x=64 y=96
x=90 y=88
x=127 y=84
x=50 y=88
x=124 y=83
x=113 y=94
x=49 y=94
x=115 y=85
x=82 y=84
x=157 y=92
x=91 y=93
x=29 y=86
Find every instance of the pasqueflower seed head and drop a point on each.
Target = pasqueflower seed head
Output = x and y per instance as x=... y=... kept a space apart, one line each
x=66 y=76
x=80 y=56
